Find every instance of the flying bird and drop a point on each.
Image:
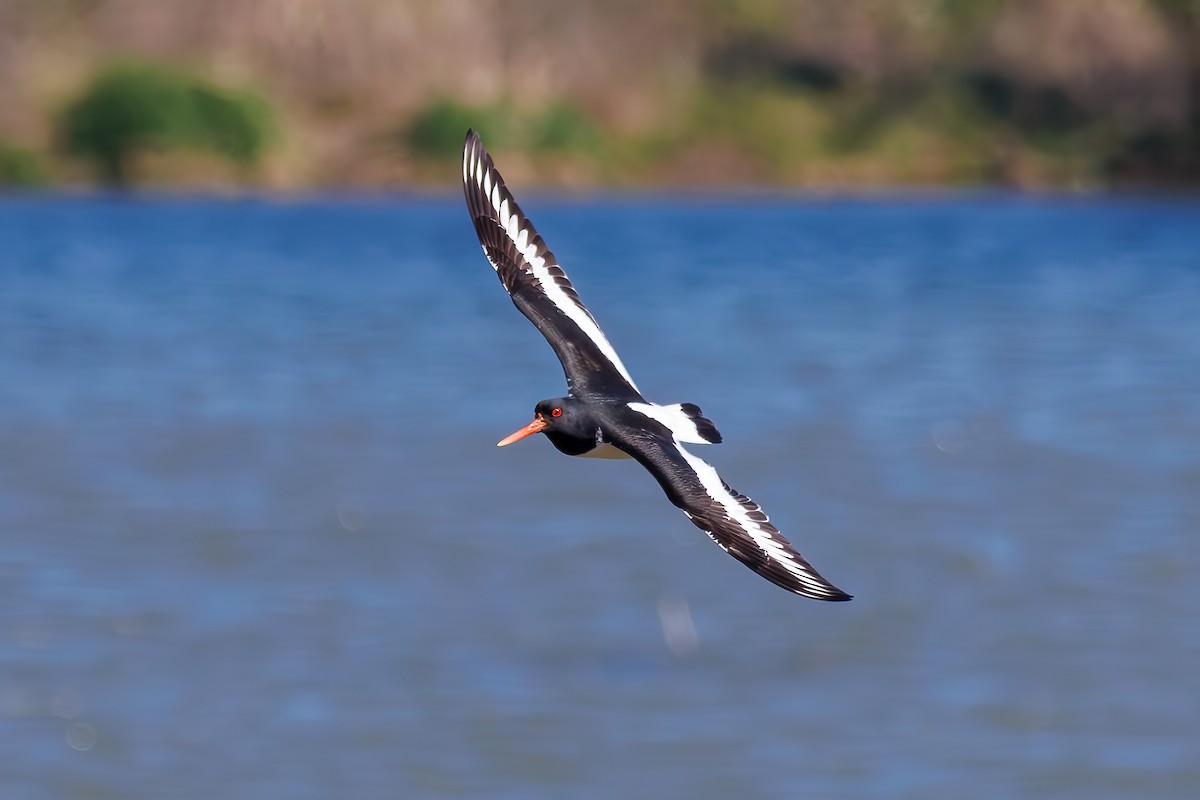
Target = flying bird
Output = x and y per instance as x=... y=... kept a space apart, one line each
x=604 y=415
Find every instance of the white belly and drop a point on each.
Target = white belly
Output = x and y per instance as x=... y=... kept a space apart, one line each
x=606 y=450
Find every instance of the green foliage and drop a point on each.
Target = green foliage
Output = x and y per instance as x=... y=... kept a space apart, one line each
x=437 y=130
x=1186 y=11
x=960 y=16
x=235 y=124
x=132 y=107
x=20 y=167
x=561 y=127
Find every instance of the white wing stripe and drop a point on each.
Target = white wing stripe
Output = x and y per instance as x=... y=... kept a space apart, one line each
x=776 y=551
x=682 y=427
x=515 y=229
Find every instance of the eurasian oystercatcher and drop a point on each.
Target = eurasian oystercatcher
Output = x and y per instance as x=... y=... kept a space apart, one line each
x=604 y=415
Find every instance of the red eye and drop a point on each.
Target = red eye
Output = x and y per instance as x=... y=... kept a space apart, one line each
x=556 y=412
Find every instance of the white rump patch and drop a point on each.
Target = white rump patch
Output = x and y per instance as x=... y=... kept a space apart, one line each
x=681 y=426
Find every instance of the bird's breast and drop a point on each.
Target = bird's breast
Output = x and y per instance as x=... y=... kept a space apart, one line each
x=594 y=446
x=605 y=450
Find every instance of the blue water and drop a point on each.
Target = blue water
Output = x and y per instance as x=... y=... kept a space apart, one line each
x=258 y=541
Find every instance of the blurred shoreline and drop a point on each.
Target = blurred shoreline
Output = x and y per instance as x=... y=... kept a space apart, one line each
x=313 y=95
x=538 y=194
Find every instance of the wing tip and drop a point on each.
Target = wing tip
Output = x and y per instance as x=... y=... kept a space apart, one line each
x=815 y=586
x=827 y=592
x=475 y=158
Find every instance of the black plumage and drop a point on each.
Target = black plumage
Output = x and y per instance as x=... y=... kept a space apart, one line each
x=604 y=412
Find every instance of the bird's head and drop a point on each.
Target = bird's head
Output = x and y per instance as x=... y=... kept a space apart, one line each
x=550 y=416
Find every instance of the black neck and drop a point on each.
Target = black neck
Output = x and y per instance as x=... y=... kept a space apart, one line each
x=570 y=443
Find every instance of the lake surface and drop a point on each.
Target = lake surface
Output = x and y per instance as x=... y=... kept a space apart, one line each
x=257 y=541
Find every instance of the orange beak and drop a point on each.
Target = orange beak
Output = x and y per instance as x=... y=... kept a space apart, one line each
x=531 y=428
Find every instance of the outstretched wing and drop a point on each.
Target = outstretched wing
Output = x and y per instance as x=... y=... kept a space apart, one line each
x=536 y=282
x=732 y=520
